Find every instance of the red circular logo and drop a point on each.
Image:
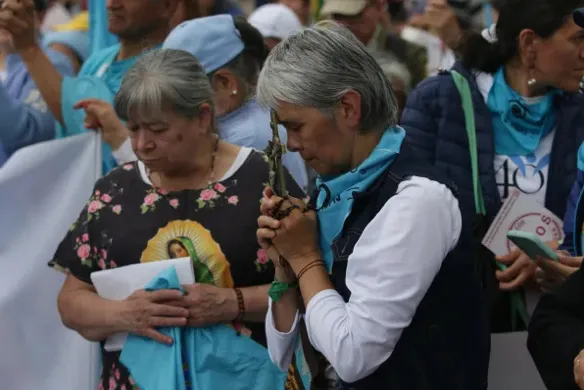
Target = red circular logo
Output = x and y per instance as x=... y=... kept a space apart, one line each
x=545 y=229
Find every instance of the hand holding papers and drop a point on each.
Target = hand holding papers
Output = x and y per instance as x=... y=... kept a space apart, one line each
x=120 y=283
x=519 y=212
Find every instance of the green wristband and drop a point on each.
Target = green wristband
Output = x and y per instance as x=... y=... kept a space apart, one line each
x=277 y=289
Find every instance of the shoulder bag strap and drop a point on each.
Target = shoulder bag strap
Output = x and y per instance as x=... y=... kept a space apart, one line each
x=466 y=98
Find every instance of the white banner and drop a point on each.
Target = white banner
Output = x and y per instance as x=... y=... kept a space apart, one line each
x=43 y=188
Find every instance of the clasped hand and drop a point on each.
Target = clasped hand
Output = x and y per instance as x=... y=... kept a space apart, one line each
x=294 y=237
x=200 y=305
x=18 y=18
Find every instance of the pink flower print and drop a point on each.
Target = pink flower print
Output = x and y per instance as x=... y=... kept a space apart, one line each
x=77 y=240
x=113 y=264
x=94 y=206
x=127 y=167
x=234 y=200
x=220 y=187
x=117 y=374
x=117 y=209
x=103 y=253
x=173 y=203
x=262 y=256
x=100 y=386
x=83 y=251
x=208 y=194
x=131 y=381
x=97 y=192
x=162 y=191
x=151 y=198
x=106 y=198
x=85 y=237
x=123 y=387
x=112 y=383
x=101 y=263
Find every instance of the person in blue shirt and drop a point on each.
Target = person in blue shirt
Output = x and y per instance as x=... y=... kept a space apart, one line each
x=26 y=119
x=139 y=24
x=232 y=53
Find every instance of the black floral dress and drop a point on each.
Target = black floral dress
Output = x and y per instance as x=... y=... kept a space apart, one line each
x=127 y=221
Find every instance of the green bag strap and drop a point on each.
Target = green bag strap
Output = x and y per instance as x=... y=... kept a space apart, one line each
x=518 y=308
x=467 y=107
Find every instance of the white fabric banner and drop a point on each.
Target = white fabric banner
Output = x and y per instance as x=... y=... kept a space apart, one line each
x=43 y=188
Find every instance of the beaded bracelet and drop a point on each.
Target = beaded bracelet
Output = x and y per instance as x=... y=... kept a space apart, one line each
x=240 y=304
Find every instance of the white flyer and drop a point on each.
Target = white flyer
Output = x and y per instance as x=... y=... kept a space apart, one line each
x=520 y=212
x=120 y=283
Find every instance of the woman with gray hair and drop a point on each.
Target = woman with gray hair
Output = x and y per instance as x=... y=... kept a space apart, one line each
x=188 y=195
x=231 y=52
x=391 y=299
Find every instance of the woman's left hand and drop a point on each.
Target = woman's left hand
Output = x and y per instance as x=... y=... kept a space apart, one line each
x=297 y=238
x=208 y=305
x=579 y=370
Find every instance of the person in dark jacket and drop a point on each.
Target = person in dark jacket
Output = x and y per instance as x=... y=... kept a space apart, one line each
x=528 y=114
x=556 y=336
x=382 y=262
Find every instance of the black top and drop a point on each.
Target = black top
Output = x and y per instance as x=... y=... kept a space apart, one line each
x=128 y=221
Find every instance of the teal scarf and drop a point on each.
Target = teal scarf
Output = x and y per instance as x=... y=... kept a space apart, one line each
x=518 y=126
x=335 y=195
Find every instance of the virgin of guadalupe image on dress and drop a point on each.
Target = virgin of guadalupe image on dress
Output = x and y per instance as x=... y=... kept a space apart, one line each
x=183 y=247
x=190 y=239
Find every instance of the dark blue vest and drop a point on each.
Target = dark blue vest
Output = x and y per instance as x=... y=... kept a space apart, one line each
x=447 y=345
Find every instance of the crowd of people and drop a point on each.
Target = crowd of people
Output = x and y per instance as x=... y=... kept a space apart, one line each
x=407 y=125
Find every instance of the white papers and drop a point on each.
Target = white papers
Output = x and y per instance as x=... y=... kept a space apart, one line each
x=520 y=212
x=119 y=283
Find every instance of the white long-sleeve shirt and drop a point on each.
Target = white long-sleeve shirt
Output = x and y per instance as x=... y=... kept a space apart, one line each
x=390 y=270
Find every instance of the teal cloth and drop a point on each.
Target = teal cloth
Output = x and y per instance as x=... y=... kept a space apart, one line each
x=100 y=77
x=217 y=358
x=518 y=126
x=99 y=35
x=335 y=195
x=581 y=158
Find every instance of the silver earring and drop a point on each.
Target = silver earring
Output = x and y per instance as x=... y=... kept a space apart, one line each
x=531 y=82
x=234 y=92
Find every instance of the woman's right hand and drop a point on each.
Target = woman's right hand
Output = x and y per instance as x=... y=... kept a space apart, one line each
x=267 y=227
x=100 y=116
x=520 y=268
x=145 y=311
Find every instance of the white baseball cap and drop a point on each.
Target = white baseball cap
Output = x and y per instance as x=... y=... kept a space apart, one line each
x=343 y=7
x=275 y=21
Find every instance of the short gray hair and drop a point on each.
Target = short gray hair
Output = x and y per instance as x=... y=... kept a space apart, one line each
x=319 y=65
x=161 y=80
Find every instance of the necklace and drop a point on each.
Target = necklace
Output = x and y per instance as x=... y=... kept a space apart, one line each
x=211 y=180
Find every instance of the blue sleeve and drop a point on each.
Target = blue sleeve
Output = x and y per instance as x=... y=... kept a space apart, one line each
x=419 y=119
x=28 y=120
x=570 y=216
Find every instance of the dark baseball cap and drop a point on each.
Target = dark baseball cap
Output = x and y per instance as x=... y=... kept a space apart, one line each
x=579 y=17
